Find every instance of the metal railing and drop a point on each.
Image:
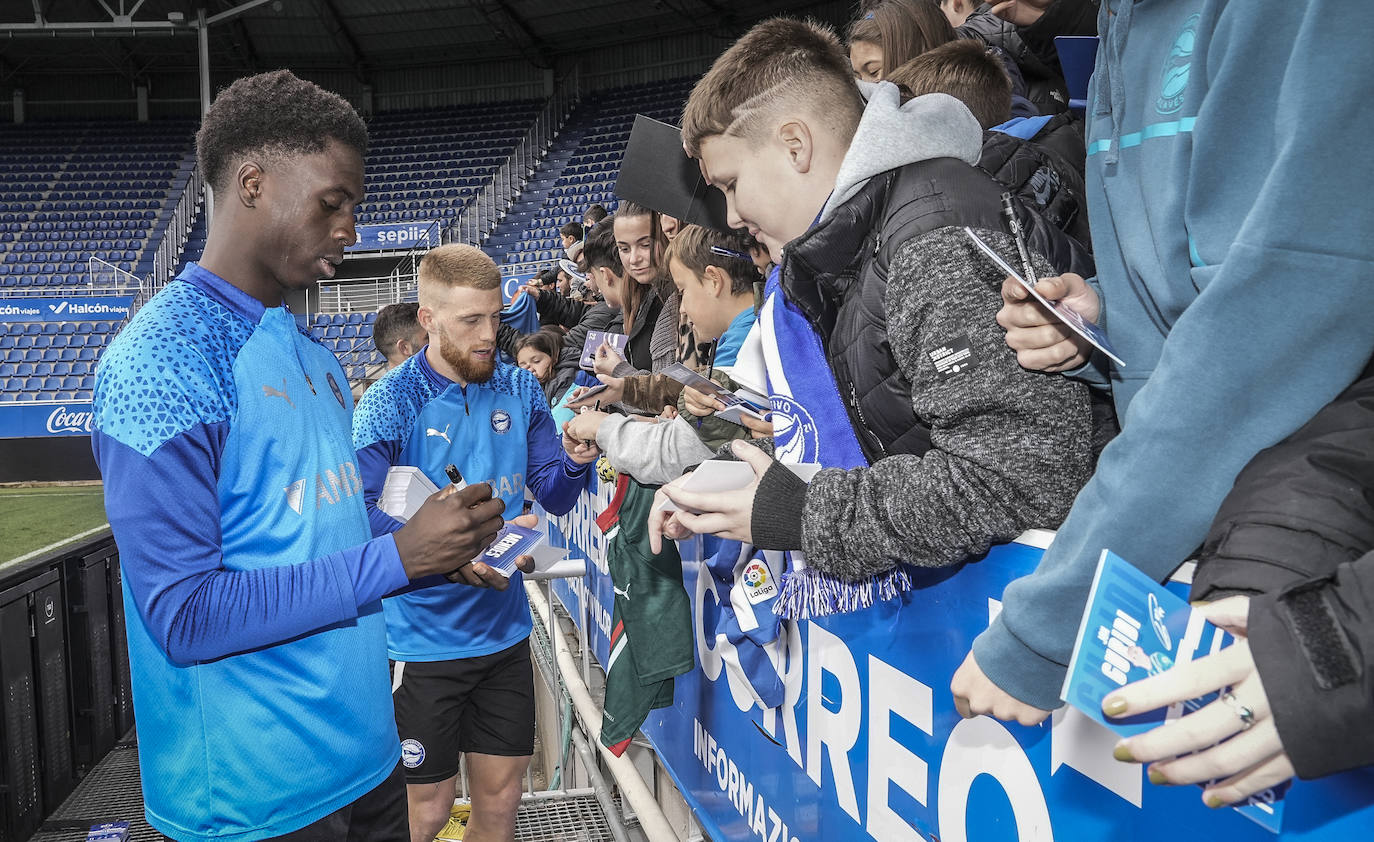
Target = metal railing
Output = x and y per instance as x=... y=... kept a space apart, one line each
x=174 y=237
x=479 y=218
x=363 y=295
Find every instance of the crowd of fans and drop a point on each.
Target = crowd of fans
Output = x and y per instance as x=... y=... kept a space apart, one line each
x=1194 y=213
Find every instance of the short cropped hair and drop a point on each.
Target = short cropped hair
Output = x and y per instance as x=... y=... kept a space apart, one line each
x=904 y=29
x=965 y=70
x=459 y=265
x=272 y=116
x=692 y=248
x=572 y=229
x=600 y=249
x=780 y=62
x=594 y=214
x=394 y=323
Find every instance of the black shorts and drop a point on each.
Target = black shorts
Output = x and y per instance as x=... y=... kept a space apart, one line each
x=380 y=815
x=483 y=705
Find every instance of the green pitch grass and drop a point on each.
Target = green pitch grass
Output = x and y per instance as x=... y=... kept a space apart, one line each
x=31 y=518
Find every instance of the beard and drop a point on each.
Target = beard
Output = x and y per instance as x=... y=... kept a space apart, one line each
x=469 y=370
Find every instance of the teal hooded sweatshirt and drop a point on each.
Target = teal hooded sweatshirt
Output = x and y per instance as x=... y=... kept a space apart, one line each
x=1232 y=214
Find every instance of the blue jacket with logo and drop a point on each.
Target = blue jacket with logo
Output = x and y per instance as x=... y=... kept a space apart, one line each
x=1236 y=271
x=500 y=432
x=252 y=583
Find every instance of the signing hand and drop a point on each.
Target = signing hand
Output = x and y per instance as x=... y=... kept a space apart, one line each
x=1041 y=341
x=726 y=513
x=757 y=429
x=1252 y=757
x=479 y=575
x=606 y=360
x=449 y=530
x=975 y=694
x=584 y=425
x=700 y=403
x=614 y=391
x=663 y=523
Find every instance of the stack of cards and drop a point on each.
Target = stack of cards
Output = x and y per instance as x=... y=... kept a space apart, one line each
x=595 y=338
x=514 y=541
x=737 y=404
x=406 y=490
x=1134 y=628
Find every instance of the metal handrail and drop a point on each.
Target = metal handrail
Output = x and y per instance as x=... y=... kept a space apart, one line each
x=174 y=237
x=479 y=218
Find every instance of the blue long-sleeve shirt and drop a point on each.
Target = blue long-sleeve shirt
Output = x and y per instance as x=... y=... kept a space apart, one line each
x=1236 y=271
x=250 y=575
x=499 y=432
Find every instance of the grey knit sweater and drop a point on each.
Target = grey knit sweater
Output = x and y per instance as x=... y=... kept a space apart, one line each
x=1010 y=448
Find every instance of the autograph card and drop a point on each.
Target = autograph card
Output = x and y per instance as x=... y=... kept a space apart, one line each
x=594 y=340
x=1063 y=312
x=737 y=404
x=1133 y=628
x=511 y=542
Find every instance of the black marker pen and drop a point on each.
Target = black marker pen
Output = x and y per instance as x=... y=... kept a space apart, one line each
x=1019 y=236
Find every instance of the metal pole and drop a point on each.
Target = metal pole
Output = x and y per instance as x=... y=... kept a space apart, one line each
x=203 y=36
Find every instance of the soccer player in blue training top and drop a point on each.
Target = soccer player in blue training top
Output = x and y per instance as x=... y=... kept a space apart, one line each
x=252 y=583
x=463 y=681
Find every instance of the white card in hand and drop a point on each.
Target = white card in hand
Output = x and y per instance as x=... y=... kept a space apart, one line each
x=719 y=475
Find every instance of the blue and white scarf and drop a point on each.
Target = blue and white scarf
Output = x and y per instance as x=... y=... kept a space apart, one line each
x=810 y=424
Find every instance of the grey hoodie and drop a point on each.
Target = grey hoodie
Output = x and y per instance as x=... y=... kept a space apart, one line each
x=891 y=135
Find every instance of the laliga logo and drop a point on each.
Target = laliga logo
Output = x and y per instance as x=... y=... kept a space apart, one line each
x=755 y=574
x=62 y=421
x=794 y=431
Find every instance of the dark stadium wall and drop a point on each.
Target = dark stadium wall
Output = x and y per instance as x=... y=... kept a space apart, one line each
x=54 y=94
x=49 y=459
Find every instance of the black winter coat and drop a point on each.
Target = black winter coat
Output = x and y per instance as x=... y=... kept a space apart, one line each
x=836 y=273
x=1296 y=532
x=1044 y=82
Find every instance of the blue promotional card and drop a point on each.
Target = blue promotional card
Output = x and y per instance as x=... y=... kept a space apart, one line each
x=1133 y=628
x=511 y=543
x=108 y=832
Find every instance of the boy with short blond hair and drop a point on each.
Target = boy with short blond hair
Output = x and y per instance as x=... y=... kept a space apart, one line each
x=878 y=291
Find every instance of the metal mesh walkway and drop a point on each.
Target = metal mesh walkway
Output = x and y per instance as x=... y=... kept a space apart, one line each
x=113 y=792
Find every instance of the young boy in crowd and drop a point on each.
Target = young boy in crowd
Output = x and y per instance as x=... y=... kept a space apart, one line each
x=715 y=276
x=878 y=292
x=1040 y=159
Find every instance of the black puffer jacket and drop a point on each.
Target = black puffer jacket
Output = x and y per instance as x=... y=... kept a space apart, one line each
x=1296 y=532
x=837 y=274
x=1041 y=179
x=1043 y=81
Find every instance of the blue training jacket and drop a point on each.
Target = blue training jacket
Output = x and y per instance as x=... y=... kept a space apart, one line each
x=252 y=583
x=500 y=432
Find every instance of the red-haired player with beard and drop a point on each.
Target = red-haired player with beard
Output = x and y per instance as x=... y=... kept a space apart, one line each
x=462 y=681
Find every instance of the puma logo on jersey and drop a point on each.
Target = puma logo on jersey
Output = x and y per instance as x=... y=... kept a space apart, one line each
x=268 y=391
x=430 y=431
x=625 y=593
